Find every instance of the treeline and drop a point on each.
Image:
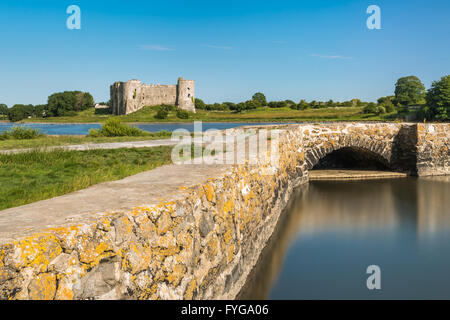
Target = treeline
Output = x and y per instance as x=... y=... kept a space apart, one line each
x=433 y=104
x=66 y=103
x=259 y=100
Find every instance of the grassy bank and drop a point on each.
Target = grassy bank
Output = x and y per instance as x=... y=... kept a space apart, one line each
x=50 y=141
x=34 y=176
x=263 y=114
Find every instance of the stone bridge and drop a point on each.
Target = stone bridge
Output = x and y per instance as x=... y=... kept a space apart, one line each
x=188 y=231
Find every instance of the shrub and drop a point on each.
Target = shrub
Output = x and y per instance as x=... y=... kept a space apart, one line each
x=113 y=127
x=95 y=133
x=370 y=108
x=162 y=114
x=21 y=133
x=381 y=110
x=182 y=114
x=389 y=106
x=277 y=104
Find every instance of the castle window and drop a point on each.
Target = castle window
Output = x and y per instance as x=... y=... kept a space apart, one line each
x=189 y=88
x=189 y=95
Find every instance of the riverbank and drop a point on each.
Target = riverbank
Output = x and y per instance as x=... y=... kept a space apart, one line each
x=258 y=115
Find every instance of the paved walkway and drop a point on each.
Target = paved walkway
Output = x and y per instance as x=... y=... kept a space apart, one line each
x=144 y=189
x=106 y=145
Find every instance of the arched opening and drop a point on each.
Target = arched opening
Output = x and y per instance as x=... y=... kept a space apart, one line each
x=353 y=158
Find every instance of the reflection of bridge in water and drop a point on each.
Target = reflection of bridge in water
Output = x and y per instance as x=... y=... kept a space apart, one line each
x=310 y=213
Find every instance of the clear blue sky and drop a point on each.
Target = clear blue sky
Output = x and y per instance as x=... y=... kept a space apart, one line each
x=313 y=50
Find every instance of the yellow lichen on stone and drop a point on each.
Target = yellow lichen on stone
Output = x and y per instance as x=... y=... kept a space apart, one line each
x=42 y=287
x=231 y=252
x=209 y=192
x=37 y=251
x=176 y=275
x=190 y=290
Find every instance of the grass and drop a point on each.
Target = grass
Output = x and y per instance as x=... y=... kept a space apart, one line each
x=264 y=114
x=34 y=176
x=50 y=141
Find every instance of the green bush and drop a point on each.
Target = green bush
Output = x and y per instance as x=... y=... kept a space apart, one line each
x=20 y=133
x=162 y=114
x=371 y=108
x=113 y=127
x=389 y=106
x=381 y=110
x=182 y=114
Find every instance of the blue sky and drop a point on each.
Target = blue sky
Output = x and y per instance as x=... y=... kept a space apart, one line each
x=313 y=50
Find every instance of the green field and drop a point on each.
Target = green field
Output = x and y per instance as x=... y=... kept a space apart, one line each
x=34 y=176
x=264 y=114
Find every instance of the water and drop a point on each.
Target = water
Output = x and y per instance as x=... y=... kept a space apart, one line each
x=332 y=231
x=81 y=129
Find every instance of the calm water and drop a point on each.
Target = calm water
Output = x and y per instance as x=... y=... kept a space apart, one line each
x=79 y=129
x=332 y=231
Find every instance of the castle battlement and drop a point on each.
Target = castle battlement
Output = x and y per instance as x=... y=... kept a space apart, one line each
x=128 y=97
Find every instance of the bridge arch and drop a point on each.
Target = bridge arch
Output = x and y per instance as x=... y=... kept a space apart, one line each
x=368 y=150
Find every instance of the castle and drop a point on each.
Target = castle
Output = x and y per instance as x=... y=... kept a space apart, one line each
x=128 y=97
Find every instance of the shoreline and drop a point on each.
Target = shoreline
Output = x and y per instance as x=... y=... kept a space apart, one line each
x=347 y=174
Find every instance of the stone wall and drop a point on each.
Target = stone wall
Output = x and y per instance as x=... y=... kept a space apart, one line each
x=128 y=97
x=433 y=149
x=204 y=243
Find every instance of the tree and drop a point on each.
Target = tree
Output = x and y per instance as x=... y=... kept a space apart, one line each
x=438 y=100
x=240 y=107
x=3 y=109
x=409 y=90
x=261 y=98
x=252 y=104
x=69 y=102
x=303 y=105
x=199 y=104
x=385 y=100
x=20 y=111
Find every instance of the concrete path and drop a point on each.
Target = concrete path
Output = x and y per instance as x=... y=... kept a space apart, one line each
x=144 y=189
x=105 y=145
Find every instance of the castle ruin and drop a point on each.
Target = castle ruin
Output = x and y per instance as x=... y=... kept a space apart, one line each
x=128 y=97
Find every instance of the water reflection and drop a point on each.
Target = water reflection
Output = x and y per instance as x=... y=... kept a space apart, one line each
x=332 y=231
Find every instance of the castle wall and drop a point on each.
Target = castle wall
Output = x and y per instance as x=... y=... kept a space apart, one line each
x=186 y=93
x=128 y=97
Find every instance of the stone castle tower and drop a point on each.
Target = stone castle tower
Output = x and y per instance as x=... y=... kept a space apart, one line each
x=128 y=97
